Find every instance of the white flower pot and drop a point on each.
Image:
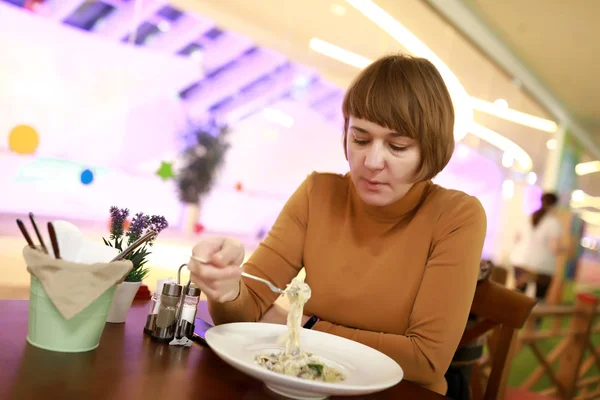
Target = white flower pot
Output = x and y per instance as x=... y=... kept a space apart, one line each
x=122 y=300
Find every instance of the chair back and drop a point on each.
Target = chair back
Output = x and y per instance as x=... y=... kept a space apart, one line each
x=502 y=311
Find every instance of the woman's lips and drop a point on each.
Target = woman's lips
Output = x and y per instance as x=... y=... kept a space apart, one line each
x=372 y=185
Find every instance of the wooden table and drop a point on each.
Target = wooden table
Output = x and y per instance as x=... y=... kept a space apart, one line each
x=129 y=365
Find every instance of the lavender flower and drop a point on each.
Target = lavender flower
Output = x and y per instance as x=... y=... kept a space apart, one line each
x=136 y=229
x=117 y=220
x=158 y=223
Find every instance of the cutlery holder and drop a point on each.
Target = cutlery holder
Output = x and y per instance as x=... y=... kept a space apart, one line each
x=49 y=330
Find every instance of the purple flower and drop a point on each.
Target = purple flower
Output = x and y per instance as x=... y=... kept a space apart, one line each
x=158 y=223
x=117 y=221
x=136 y=229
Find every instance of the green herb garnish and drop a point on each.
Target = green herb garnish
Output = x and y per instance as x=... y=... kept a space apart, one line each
x=318 y=368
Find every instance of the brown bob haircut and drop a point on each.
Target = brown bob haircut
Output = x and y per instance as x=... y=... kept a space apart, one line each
x=408 y=95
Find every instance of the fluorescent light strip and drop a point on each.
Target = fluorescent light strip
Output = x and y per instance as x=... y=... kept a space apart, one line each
x=590 y=217
x=462 y=109
x=515 y=116
x=508 y=146
x=358 y=61
x=412 y=43
x=278 y=117
x=580 y=199
x=337 y=53
x=587 y=168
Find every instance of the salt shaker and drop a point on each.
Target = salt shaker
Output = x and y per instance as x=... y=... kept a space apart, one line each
x=189 y=308
x=166 y=319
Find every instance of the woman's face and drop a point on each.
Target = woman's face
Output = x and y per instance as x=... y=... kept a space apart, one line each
x=382 y=162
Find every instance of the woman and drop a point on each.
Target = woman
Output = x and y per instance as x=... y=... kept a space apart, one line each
x=538 y=243
x=392 y=259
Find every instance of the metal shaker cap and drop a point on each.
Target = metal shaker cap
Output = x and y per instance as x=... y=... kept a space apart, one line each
x=193 y=291
x=172 y=289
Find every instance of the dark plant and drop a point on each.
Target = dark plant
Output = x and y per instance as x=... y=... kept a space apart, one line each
x=139 y=226
x=202 y=158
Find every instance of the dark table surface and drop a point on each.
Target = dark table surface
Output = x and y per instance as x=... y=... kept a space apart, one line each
x=129 y=365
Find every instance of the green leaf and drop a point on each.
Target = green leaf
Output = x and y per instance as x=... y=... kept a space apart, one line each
x=318 y=368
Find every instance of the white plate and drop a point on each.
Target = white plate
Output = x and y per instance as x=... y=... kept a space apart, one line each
x=367 y=370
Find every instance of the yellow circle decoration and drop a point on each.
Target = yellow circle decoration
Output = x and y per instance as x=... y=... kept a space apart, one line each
x=23 y=139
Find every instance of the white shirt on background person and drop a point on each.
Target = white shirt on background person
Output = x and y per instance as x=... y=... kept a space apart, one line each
x=533 y=250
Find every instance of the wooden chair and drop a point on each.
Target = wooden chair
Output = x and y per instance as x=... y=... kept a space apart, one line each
x=504 y=311
x=499 y=275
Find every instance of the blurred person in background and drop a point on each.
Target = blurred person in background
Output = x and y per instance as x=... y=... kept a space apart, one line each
x=537 y=244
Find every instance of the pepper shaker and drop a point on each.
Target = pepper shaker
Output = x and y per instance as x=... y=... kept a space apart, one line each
x=154 y=306
x=166 y=319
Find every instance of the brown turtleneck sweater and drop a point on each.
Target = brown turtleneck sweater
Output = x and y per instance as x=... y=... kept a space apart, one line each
x=398 y=278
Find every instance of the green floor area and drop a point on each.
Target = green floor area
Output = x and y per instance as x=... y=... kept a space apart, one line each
x=525 y=361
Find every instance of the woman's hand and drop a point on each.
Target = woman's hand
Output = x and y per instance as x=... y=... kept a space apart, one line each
x=220 y=278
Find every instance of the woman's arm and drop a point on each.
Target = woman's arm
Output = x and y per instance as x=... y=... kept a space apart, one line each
x=442 y=305
x=278 y=259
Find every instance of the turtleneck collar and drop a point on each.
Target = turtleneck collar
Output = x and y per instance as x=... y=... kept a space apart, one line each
x=395 y=210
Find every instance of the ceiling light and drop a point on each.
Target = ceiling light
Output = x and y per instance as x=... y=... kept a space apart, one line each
x=580 y=199
x=337 y=53
x=551 y=144
x=532 y=178
x=501 y=104
x=338 y=10
x=462 y=109
x=588 y=242
x=197 y=55
x=499 y=108
x=278 y=117
x=508 y=146
x=302 y=81
x=578 y=196
x=164 y=26
x=508 y=189
x=587 y=167
x=507 y=160
x=590 y=217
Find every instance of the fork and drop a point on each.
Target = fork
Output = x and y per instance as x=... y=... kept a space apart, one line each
x=256 y=278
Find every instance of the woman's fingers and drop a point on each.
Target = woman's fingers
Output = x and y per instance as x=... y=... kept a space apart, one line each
x=214 y=274
x=230 y=253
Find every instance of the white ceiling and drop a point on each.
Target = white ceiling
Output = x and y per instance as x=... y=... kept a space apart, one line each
x=558 y=41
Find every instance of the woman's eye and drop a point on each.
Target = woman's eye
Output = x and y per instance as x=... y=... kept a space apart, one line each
x=398 y=148
x=360 y=142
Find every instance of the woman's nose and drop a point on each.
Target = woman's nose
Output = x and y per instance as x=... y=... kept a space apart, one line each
x=375 y=157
